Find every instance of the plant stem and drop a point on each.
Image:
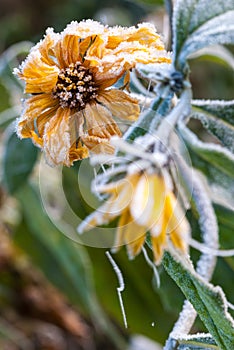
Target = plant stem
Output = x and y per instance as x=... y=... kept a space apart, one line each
x=181 y=110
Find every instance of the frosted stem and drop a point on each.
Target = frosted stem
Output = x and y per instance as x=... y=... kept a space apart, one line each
x=181 y=110
x=209 y=230
x=120 y=288
x=151 y=264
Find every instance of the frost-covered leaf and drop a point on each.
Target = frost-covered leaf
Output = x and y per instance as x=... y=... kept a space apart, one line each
x=221 y=109
x=200 y=23
x=222 y=130
x=209 y=301
x=218 y=54
x=219 y=30
x=194 y=342
x=217 y=155
x=221 y=185
x=226 y=226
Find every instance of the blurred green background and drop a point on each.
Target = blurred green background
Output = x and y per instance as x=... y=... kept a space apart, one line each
x=54 y=293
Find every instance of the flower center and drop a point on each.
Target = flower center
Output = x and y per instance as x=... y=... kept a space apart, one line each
x=75 y=86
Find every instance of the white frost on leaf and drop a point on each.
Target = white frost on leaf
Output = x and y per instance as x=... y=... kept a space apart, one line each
x=190 y=16
x=219 y=128
x=219 y=108
x=224 y=159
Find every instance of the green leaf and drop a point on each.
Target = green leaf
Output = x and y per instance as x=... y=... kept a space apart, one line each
x=214 y=175
x=52 y=251
x=219 y=128
x=226 y=227
x=221 y=109
x=65 y=263
x=208 y=301
x=18 y=162
x=217 y=53
x=219 y=30
x=8 y=115
x=145 y=312
x=10 y=55
x=197 y=343
x=218 y=156
x=200 y=23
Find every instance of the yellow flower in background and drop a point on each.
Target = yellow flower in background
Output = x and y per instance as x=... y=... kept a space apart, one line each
x=69 y=77
x=145 y=203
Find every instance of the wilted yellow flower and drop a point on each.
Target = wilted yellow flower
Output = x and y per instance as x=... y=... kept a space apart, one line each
x=69 y=76
x=145 y=203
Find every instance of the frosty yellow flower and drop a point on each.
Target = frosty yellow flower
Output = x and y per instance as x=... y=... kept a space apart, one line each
x=145 y=203
x=70 y=75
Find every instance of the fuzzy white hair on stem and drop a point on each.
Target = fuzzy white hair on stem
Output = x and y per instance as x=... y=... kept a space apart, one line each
x=151 y=264
x=121 y=287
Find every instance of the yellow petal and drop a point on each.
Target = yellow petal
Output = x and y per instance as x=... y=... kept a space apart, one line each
x=177 y=225
x=99 y=127
x=121 y=200
x=39 y=76
x=37 y=111
x=97 y=145
x=178 y=241
x=159 y=244
x=106 y=75
x=78 y=151
x=119 y=237
x=67 y=50
x=93 y=48
x=99 y=122
x=89 y=36
x=46 y=47
x=120 y=104
x=57 y=138
x=148 y=201
x=129 y=233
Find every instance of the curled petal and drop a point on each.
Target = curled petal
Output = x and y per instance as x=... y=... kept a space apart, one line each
x=97 y=145
x=108 y=74
x=93 y=49
x=90 y=37
x=37 y=111
x=143 y=33
x=67 y=50
x=39 y=76
x=57 y=138
x=99 y=122
x=46 y=46
x=78 y=151
x=120 y=104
